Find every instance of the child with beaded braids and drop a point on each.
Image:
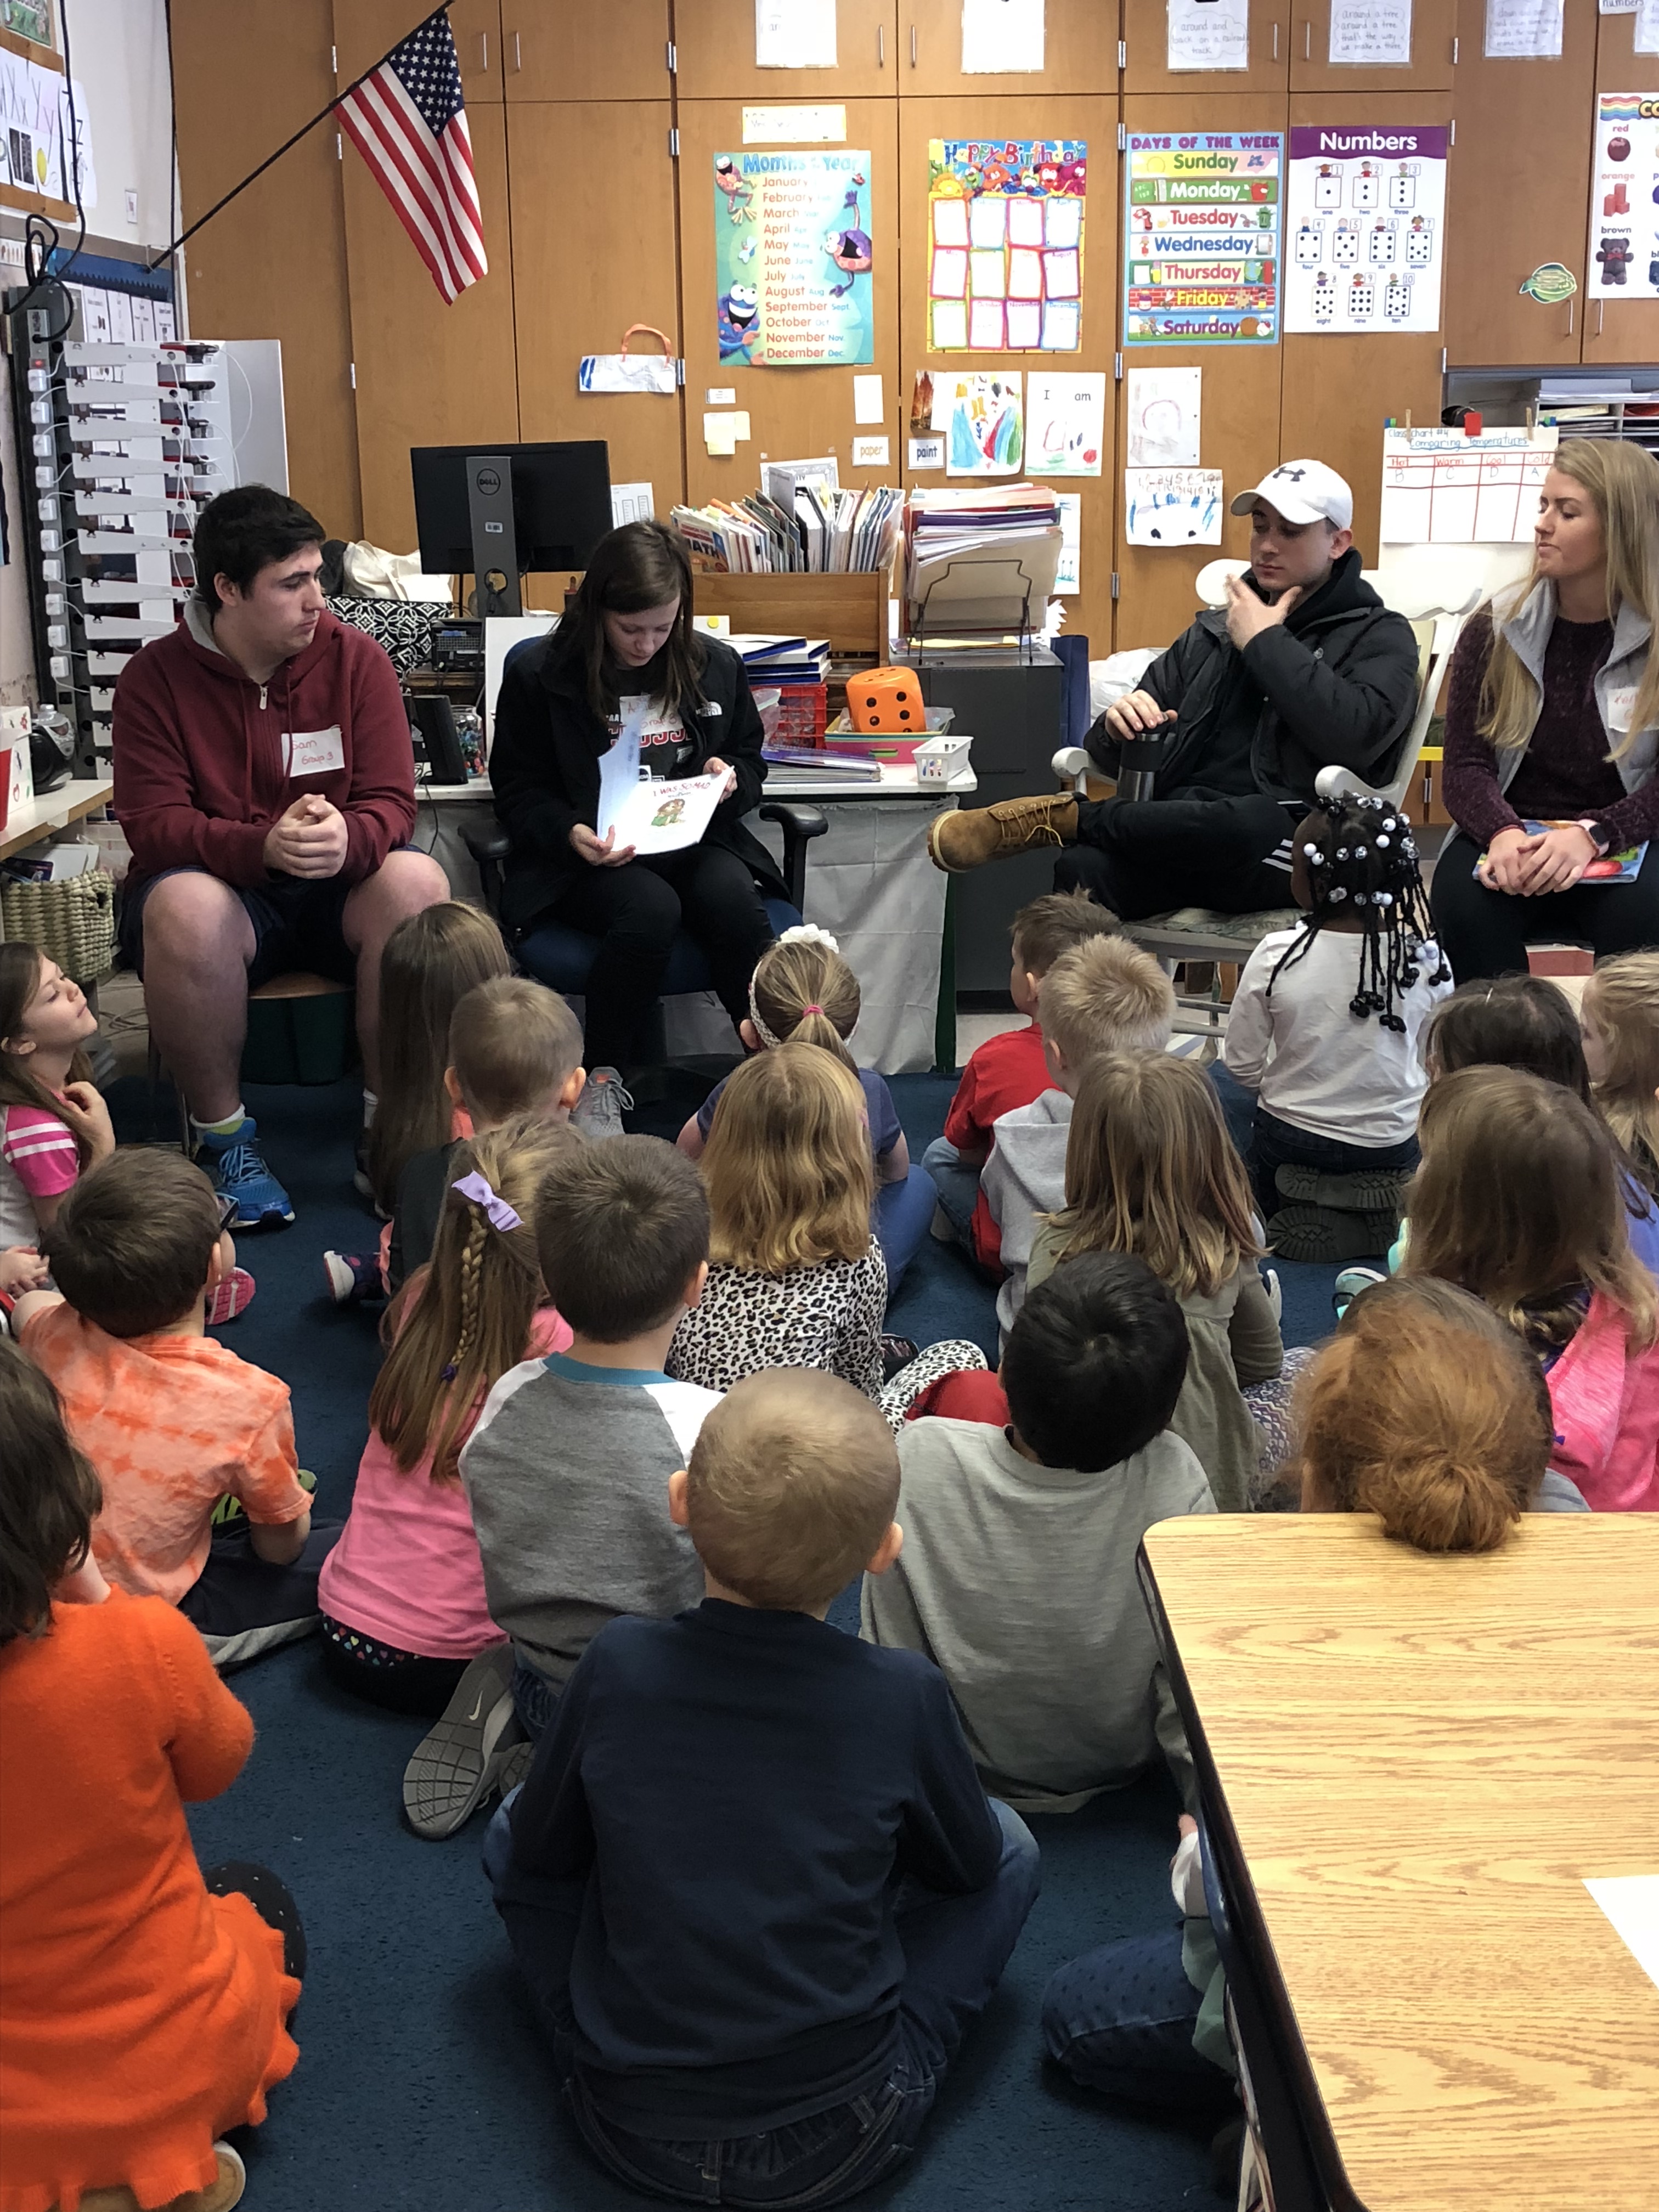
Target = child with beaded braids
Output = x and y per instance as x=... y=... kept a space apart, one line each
x=1324 y=1030
x=404 y=1609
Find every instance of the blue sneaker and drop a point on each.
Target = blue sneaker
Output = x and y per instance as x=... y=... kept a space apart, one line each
x=239 y=1172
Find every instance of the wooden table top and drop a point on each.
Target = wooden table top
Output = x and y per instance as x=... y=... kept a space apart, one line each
x=1423 y=1758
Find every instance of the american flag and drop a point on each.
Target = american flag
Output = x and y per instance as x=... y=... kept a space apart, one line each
x=408 y=120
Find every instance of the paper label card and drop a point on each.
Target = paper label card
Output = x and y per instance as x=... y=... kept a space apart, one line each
x=795 y=33
x=950 y=221
x=1063 y=222
x=1370 y=35
x=1161 y=418
x=1523 y=30
x=1172 y=506
x=1209 y=34
x=1061 y=332
x=987 y=222
x=1024 y=326
x=871 y=453
x=793 y=127
x=1061 y=275
x=950 y=274
x=926 y=453
x=949 y=322
x=988 y=278
x=1025 y=274
x=1025 y=221
x=986 y=326
x=316 y=752
x=1001 y=38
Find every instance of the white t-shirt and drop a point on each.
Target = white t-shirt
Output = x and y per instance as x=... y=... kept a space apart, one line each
x=1312 y=1062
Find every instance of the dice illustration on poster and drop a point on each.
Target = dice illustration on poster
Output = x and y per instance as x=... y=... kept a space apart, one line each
x=1328 y=186
x=1345 y=245
x=1362 y=297
x=1420 y=243
x=1310 y=245
x=1402 y=185
x=1365 y=222
x=1324 y=300
x=1397 y=298
x=1365 y=185
x=1381 y=241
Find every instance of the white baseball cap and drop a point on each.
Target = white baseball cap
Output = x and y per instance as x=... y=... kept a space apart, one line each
x=1302 y=491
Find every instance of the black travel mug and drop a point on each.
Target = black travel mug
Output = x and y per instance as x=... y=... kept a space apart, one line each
x=1138 y=761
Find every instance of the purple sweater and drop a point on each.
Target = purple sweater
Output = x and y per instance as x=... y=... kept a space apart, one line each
x=1564 y=772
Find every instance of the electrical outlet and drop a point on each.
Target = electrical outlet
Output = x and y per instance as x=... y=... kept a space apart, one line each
x=132 y=197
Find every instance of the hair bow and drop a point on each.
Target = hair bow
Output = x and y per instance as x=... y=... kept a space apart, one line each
x=497 y=1212
x=808 y=933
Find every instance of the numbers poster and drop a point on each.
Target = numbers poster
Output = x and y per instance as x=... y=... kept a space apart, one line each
x=1623 y=228
x=1004 y=271
x=1201 y=259
x=1364 y=228
x=794 y=249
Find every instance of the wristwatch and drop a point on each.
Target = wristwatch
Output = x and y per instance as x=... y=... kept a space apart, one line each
x=1598 y=832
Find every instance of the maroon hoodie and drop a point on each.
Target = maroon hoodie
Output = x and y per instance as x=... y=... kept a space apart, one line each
x=202 y=751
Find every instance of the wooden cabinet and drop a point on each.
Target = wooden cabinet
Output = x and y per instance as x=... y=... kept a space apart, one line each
x=578 y=283
x=1624 y=330
x=1036 y=116
x=792 y=412
x=1434 y=28
x=272 y=265
x=714 y=43
x=428 y=373
x=1517 y=194
x=1239 y=429
x=1079 y=54
x=364 y=30
x=1147 y=43
x=552 y=50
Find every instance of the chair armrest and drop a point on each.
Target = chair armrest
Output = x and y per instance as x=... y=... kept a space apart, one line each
x=799 y=824
x=489 y=845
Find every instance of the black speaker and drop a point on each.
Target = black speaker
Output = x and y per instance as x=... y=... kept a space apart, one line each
x=435 y=717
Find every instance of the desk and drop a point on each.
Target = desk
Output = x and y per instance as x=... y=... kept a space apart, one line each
x=1419 y=1759
x=869 y=882
x=71 y=802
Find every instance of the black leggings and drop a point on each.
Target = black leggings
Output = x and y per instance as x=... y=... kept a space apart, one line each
x=1485 y=933
x=400 y=1681
x=270 y=1898
x=1148 y=855
x=637 y=910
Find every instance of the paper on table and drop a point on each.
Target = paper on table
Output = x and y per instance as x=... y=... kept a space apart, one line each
x=1209 y=34
x=794 y=34
x=1173 y=507
x=1523 y=30
x=663 y=814
x=1161 y=418
x=868 y=404
x=1370 y=34
x=1000 y=38
x=1630 y=1901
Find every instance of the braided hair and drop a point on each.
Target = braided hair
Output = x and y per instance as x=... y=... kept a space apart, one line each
x=1360 y=855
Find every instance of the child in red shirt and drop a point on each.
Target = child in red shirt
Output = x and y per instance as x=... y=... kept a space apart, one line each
x=1007 y=1071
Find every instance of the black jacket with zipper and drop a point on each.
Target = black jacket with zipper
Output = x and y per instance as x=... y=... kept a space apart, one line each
x=544 y=770
x=1337 y=682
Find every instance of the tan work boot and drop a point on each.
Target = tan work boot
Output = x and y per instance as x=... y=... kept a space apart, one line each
x=970 y=836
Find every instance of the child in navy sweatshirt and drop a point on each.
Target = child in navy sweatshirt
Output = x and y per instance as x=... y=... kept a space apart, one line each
x=753 y=1882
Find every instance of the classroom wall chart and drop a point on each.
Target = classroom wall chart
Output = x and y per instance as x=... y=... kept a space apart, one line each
x=1623 y=228
x=792 y=256
x=1004 y=270
x=1201 y=259
x=1364 y=228
x=1441 y=487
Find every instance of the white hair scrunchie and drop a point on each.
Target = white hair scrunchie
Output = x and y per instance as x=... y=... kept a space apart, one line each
x=801 y=932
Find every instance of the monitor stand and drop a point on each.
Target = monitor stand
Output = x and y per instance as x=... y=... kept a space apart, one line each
x=495 y=544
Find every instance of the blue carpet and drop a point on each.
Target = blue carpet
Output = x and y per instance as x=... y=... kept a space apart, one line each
x=421 y=2084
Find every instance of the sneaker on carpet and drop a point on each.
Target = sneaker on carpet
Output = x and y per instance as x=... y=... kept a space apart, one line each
x=237 y=1169
x=968 y=837
x=1371 y=1190
x=457 y=1764
x=605 y=1098
x=353 y=1277
x=1316 y=1233
x=515 y=1767
x=235 y=1295
x=1349 y=1283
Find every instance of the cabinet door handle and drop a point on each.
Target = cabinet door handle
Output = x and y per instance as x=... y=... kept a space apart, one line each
x=1275 y=42
x=518 y=63
x=1601 y=315
x=1570 y=309
x=881 y=45
x=1307 y=39
x=483 y=53
x=913 y=46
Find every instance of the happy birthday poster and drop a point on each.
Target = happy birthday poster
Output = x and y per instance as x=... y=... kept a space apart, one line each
x=1006 y=245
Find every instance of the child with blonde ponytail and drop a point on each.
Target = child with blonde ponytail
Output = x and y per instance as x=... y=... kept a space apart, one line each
x=404 y=1609
x=804 y=993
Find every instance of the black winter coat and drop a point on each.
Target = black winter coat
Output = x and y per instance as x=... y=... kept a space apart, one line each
x=544 y=770
x=1338 y=682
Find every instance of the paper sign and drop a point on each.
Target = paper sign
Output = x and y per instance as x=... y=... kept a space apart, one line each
x=1064 y=425
x=1523 y=30
x=661 y=814
x=1365 y=226
x=31 y=126
x=995 y=207
x=1370 y=34
x=1209 y=34
x=1623 y=228
x=1068 y=577
x=1172 y=506
x=1618 y=7
x=871 y=453
x=721 y=395
x=720 y=434
x=1630 y=1901
x=982 y=419
x=927 y=453
x=868 y=404
x=1441 y=487
x=1200 y=261
x=792 y=256
x=315 y=752
x=1161 y=418
x=794 y=34
x=1646 y=31
x=1001 y=37
x=793 y=127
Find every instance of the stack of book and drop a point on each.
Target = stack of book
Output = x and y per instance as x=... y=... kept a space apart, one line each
x=980 y=563
x=783 y=660
x=830 y=532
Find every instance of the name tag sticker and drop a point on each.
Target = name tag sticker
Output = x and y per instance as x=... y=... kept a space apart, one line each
x=1621 y=705
x=315 y=752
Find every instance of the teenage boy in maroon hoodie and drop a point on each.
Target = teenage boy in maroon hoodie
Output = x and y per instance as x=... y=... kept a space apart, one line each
x=265 y=778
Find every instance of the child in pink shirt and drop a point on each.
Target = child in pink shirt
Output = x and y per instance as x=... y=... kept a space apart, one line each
x=52 y=1121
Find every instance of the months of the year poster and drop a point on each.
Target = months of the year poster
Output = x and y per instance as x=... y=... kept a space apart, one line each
x=1365 y=226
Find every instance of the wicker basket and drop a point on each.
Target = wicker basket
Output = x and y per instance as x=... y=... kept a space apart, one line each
x=72 y=921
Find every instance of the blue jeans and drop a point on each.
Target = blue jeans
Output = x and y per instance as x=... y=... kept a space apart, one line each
x=535 y=1701
x=1120 y=2019
x=1237 y=1106
x=955 y=1950
x=904 y=1210
x=1274 y=1144
x=957 y=1187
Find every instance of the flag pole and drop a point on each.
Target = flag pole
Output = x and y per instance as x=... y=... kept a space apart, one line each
x=167 y=252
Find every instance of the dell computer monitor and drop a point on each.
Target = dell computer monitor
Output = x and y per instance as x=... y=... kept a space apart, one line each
x=560 y=503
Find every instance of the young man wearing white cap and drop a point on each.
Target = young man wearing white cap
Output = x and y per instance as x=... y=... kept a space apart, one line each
x=1305 y=668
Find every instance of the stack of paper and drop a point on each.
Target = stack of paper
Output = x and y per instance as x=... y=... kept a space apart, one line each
x=1603 y=407
x=981 y=563
x=831 y=531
